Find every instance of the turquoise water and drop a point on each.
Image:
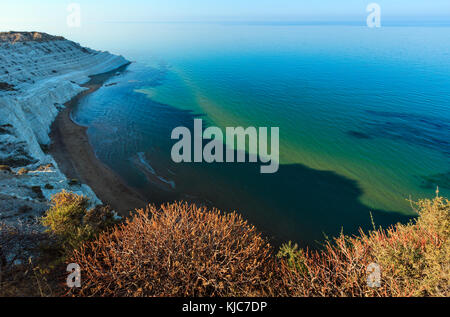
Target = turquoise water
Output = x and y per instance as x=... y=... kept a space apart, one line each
x=363 y=115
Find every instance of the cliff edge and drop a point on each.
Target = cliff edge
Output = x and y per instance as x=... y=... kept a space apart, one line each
x=38 y=74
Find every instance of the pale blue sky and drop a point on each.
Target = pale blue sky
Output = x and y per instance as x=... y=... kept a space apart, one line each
x=35 y=14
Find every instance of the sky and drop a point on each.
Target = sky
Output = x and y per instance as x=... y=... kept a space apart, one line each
x=38 y=14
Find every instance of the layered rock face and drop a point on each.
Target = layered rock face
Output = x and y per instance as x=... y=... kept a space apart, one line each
x=38 y=74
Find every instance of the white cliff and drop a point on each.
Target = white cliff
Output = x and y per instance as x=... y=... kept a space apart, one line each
x=38 y=74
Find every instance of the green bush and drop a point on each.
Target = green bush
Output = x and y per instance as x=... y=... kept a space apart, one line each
x=294 y=258
x=72 y=223
x=416 y=257
x=182 y=250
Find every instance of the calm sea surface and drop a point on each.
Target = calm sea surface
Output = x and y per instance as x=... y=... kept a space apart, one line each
x=364 y=118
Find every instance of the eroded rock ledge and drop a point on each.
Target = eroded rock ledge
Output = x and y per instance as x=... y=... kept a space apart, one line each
x=38 y=74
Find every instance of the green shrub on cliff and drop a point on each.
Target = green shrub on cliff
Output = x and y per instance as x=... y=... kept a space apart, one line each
x=72 y=223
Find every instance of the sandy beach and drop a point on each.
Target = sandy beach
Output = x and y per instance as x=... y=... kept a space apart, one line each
x=72 y=151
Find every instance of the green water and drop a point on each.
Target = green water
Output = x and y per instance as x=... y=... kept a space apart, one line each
x=363 y=115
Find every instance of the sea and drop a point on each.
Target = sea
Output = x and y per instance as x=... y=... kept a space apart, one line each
x=363 y=117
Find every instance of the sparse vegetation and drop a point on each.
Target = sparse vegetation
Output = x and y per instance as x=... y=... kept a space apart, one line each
x=14 y=37
x=184 y=250
x=32 y=261
x=414 y=259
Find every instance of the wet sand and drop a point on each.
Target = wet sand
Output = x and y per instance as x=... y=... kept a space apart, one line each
x=75 y=157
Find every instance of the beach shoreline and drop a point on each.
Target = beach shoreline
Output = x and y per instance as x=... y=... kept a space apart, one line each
x=71 y=149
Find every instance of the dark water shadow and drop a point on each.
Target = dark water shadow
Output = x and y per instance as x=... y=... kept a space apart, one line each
x=440 y=180
x=297 y=203
x=425 y=130
x=358 y=134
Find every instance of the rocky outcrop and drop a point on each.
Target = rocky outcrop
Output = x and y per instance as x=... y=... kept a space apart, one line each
x=38 y=74
x=13 y=37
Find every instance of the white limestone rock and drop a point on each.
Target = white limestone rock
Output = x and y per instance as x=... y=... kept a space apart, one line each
x=38 y=74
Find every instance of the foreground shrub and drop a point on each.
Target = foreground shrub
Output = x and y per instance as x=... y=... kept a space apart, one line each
x=72 y=223
x=177 y=250
x=414 y=260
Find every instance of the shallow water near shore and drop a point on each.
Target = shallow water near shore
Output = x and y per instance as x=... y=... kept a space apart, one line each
x=363 y=115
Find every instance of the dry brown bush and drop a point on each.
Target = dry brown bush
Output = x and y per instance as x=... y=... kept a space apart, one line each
x=177 y=250
x=414 y=260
